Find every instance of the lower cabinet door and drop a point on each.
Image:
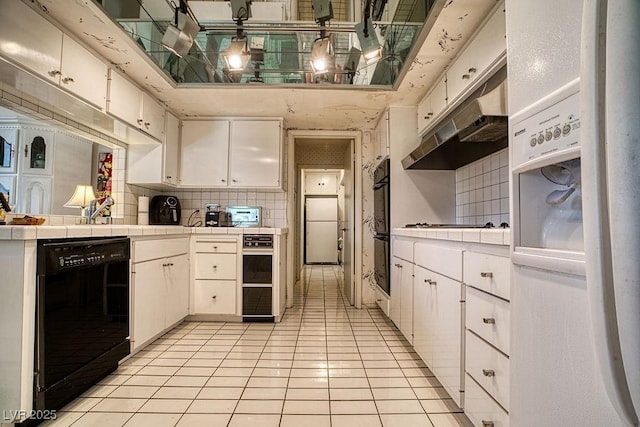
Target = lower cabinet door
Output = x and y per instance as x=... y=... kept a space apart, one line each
x=481 y=409
x=215 y=297
x=149 y=296
x=176 y=271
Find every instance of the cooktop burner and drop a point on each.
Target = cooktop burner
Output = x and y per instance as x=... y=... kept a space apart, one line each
x=426 y=225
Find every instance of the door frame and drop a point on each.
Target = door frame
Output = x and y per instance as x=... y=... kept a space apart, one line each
x=356 y=150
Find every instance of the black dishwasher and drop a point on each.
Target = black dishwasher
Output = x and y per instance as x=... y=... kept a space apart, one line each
x=82 y=316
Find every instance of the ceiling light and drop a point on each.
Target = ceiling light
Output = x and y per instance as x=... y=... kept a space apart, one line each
x=322 y=56
x=240 y=10
x=371 y=49
x=237 y=55
x=322 y=10
x=179 y=36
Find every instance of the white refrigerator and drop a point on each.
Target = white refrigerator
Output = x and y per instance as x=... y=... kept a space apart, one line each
x=574 y=101
x=321 y=229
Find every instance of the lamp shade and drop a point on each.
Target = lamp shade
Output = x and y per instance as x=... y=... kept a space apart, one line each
x=81 y=197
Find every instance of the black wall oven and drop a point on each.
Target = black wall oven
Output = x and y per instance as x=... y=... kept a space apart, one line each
x=82 y=316
x=257 y=278
x=381 y=210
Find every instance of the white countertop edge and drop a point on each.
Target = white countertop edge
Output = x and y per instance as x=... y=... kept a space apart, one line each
x=469 y=235
x=31 y=232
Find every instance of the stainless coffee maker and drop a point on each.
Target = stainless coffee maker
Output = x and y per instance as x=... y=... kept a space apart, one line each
x=214 y=217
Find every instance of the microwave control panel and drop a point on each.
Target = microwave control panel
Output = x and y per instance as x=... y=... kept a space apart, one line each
x=547 y=132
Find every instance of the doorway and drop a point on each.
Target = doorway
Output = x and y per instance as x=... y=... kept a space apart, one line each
x=322 y=155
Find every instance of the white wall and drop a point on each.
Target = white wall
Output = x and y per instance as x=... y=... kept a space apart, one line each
x=416 y=195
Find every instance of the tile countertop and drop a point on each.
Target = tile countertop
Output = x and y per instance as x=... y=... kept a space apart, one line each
x=498 y=236
x=27 y=232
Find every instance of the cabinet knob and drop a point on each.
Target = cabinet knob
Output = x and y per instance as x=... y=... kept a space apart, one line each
x=486 y=274
x=489 y=320
x=147 y=125
x=170 y=264
x=431 y=282
x=233 y=180
x=54 y=73
x=169 y=177
x=68 y=80
x=466 y=77
x=213 y=297
x=488 y=372
x=398 y=265
x=215 y=267
x=215 y=247
x=140 y=121
x=223 y=180
x=472 y=70
x=487 y=423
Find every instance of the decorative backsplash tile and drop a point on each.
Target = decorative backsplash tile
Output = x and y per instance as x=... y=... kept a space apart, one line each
x=482 y=190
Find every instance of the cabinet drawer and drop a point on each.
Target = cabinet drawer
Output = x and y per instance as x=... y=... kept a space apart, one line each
x=217 y=246
x=481 y=409
x=487 y=272
x=489 y=368
x=145 y=250
x=218 y=266
x=215 y=296
x=488 y=317
x=441 y=259
x=402 y=249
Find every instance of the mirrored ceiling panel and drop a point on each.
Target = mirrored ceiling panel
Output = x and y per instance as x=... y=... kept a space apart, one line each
x=193 y=42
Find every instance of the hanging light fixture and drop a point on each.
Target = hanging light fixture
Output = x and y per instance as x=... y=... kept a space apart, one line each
x=322 y=55
x=237 y=55
x=369 y=44
x=180 y=35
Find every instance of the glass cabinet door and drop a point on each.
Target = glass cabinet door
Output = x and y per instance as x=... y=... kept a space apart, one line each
x=37 y=151
x=8 y=150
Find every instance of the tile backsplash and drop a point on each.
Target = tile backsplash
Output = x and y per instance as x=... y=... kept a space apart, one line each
x=482 y=190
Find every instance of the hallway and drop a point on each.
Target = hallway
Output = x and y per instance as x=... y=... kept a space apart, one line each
x=325 y=364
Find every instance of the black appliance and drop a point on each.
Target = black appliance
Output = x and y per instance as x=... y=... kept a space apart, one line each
x=217 y=219
x=257 y=278
x=381 y=206
x=82 y=316
x=164 y=210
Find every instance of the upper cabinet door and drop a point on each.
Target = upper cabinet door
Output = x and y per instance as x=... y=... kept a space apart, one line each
x=36 y=152
x=28 y=39
x=205 y=154
x=152 y=117
x=8 y=150
x=83 y=74
x=171 y=153
x=124 y=100
x=254 y=159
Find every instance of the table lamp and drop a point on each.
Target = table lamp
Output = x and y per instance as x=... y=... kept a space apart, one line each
x=82 y=196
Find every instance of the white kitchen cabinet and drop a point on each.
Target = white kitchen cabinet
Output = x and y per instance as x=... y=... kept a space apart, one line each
x=134 y=106
x=486 y=47
x=205 y=155
x=171 y=150
x=176 y=271
x=486 y=274
x=155 y=163
x=29 y=40
x=321 y=183
x=35 y=194
x=395 y=280
x=434 y=103
x=82 y=73
x=216 y=269
x=406 y=299
x=254 y=153
x=231 y=153
x=159 y=287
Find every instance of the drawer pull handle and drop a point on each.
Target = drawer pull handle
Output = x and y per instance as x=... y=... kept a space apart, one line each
x=487 y=423
x=398 y=265
x=488 y=372
x=68 y=80
x=486 y=274
x=431 y=282
x=489 y=320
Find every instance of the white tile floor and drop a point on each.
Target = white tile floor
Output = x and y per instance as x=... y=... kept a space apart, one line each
x=325 y=364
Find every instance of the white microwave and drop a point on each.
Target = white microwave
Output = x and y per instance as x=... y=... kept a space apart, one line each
x=245 y=216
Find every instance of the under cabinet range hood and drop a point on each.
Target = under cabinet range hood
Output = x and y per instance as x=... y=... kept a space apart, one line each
x=476 y=128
